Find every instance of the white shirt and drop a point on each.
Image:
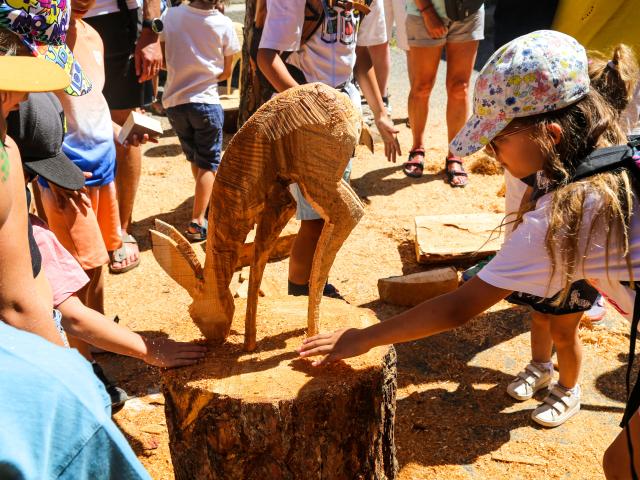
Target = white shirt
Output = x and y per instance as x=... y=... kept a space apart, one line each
x=327 y=58
x=103 y=7
x=523 y=263
x=196 y=42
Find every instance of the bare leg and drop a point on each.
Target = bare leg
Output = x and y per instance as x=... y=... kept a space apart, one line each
x=423 y=65
x=279 y=208
x=564 y=331
x=204 y=187
x=92 y=294
x=541 y=342
x=460 y=60
x=303 y=250
x=129 y=162
x=616 y=463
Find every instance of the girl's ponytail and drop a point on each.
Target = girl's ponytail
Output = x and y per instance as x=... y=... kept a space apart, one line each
x=615 y=77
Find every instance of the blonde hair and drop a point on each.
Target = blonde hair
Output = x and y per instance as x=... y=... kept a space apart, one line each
x=586 y=125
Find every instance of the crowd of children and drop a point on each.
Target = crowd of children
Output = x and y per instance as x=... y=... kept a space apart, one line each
x=552 y=117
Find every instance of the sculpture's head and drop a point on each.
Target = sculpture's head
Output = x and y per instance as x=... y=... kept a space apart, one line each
x=213 y=315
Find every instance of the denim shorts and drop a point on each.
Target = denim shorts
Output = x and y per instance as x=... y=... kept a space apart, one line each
x=199 y=129
x=467 y=30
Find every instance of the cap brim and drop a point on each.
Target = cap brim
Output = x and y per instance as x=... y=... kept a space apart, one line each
x=28 y=74
x=58 y=170
x=62 y=56
x=476 y=134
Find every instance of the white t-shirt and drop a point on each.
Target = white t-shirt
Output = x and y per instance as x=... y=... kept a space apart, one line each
x=102 y=7
x=196 y=42
x=327 y=57
x=523 y=263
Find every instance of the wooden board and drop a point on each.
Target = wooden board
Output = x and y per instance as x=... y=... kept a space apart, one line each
x=457 y=239
x=415 y=288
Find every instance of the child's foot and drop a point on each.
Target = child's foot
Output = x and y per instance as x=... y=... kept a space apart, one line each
x=196 y=232
x=118 y=396
x=560 y=405
x=534 y=377
x=303 y=290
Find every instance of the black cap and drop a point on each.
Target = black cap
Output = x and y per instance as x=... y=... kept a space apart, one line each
x=38 y=130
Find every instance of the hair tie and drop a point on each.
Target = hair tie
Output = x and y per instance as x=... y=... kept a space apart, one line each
x=612 y=65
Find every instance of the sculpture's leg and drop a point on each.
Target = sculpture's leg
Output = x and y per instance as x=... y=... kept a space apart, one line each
x=279 y=208
x=342 y=213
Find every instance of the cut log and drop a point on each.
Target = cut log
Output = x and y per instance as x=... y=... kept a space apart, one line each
x=415 y=288
x=269 y=414
x=457 y=240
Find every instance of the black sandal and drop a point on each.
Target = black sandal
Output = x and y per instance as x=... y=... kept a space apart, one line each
x=451 y=174
x=418 y=165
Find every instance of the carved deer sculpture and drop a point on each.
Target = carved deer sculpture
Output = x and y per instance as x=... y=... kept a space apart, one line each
x=306 y=135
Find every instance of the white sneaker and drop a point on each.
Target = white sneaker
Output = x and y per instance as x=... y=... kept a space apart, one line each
x=528 y=382
x=560 y=405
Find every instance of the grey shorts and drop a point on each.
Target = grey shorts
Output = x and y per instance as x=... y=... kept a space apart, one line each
x=470 y=29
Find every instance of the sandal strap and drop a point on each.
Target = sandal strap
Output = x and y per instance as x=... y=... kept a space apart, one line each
x=558 y=399
x=128 y=238
x=530 y=374
x=415 y=153
x=457 y=160
x=119 y=254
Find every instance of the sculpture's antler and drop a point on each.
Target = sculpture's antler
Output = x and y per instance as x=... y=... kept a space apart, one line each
x=176 y=256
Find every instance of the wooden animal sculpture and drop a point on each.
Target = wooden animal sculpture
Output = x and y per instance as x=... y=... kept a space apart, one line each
x=305 y=135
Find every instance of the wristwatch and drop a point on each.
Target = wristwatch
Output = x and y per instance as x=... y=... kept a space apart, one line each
x=155 y=25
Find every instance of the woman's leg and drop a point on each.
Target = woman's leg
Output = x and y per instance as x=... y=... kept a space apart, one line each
x=460 y=60
x=616 y=462
x=423 y=65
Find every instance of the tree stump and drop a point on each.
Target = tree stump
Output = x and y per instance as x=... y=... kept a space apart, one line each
x=269 y=414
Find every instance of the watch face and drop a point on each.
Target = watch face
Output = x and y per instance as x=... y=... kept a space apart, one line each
x=156 y=25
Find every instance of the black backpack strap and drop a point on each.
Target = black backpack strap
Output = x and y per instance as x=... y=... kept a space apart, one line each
x=602 y=160
x=633 y=396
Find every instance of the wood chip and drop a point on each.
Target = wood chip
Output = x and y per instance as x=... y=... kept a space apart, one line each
x=509 y=458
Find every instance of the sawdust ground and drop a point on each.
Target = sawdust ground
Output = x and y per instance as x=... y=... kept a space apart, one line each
x=454 y=419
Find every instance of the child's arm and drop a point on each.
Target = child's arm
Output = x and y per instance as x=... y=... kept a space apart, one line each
x=366 y=79
x=95 y=329
x=20 y=304
x=437 y=315
x=226 y=72
x=272 y=67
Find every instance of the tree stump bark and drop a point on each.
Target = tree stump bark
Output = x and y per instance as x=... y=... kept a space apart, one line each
x=269 y=414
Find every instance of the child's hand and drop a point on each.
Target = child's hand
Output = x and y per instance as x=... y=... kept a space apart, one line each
x=389 y=134
x=136 y=141
x=167 y=353
x=62 y=196
x=345 y=343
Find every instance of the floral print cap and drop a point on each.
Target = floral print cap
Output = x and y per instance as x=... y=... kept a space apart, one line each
x=539 y=72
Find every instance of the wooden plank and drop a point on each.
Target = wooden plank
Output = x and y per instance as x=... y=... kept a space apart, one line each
x=457 y=239
x=410 y=290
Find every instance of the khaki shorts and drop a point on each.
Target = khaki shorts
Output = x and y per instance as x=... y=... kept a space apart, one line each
x=468 y=30
x=87 y=233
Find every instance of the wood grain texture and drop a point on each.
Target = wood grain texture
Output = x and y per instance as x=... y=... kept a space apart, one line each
x=305 y=135
x=415 y=288
x=457 y=239
x=269 y=414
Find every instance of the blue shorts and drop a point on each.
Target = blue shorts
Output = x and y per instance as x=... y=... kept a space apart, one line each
x=199 y=129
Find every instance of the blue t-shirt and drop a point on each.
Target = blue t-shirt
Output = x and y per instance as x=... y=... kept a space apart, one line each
x=55 y=416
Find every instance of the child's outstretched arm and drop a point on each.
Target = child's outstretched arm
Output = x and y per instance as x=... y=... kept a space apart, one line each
x=95 y=329
x=437 y=315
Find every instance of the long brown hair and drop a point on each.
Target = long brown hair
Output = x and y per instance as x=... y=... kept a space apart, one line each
x=586 y=125
x=615 y=76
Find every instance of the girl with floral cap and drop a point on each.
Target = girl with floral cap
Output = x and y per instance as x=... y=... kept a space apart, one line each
x=535 y=111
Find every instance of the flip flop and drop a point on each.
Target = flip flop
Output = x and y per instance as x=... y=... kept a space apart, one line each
x=120 y=255
x=418 y=165
x=200 y=233
x=451 y=174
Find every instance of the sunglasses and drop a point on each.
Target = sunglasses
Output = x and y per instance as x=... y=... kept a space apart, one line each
x=491 y=147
